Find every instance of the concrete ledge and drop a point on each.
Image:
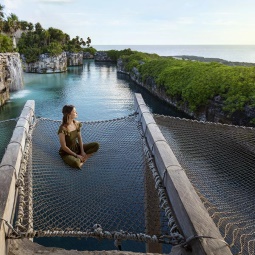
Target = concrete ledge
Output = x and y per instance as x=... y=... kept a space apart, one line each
x=191 y=216
x=26 y=247
x=9 y=171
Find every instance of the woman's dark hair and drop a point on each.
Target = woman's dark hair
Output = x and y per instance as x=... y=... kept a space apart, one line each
x=67 y=109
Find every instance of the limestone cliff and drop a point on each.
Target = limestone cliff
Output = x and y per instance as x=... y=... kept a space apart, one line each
x=74 y=59
x=11 y=76
x=102 y=56
x=46 y=64
x=213 y=112
x=53 y=64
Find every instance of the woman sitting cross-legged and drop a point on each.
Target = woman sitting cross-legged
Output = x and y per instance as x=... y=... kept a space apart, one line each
x=72 y=149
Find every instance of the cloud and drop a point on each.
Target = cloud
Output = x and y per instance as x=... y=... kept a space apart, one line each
x=185 y=20
x=56 y=1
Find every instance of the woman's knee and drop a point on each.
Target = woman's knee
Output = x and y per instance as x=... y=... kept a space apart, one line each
x=96 y=146
x=91 y=147
x=72 y=161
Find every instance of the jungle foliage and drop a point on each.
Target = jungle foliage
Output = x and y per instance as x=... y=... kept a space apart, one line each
x=36 y=40
x=6 y=44
x=52 y=41
x=115 y=54
x=197 y=83
x=90 y=49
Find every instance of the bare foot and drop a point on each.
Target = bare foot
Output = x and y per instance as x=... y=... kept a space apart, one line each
x=85 y=158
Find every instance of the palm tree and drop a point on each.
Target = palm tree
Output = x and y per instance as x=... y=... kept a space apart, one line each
x=46 y=37
x=12 y=24
x=88 y=41
x=30 y=26
x=38 y=27
x=82 y=42
x=1 y=17
x=1 y=12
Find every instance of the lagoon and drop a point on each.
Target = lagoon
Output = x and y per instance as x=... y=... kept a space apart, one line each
x=96 y=89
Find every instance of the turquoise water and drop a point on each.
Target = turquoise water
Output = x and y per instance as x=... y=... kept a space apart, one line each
x=96 y=89
x=93 y=88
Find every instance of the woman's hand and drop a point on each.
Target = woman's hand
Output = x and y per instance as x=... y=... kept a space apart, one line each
x=83 y=157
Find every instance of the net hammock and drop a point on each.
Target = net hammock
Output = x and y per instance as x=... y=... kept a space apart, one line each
x=117 y=194
x=219 y=160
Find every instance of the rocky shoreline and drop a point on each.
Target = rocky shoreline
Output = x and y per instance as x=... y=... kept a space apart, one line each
x=213 y=112
x=103 y=57
x=219 y=60
x=11 y=78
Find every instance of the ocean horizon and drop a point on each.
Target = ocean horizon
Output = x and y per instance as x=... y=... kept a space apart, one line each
x=234 y=53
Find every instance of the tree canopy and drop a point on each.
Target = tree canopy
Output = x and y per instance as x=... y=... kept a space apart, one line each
x=197 y=83
x=36 y=40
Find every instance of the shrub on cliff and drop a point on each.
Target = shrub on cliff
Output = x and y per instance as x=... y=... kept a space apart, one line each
x=6 y=44
x=90 y=49
x=197 y=83
x=54 y=49
x=136 y=59
x=52 y=41
x=114 y=55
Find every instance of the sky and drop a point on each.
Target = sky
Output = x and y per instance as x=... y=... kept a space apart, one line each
x=144 y=22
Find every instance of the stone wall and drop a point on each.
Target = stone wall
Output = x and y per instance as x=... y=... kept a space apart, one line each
x=87 y=55
x=74 y=59
x=102 y=56
x=11 y=77
x=213 y=112
x=46 y=64
x=53 y=64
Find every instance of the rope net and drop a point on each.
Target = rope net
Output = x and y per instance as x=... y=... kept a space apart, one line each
x=219 y=160
x=113 y=196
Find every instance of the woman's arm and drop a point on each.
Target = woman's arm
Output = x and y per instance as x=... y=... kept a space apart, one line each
x=81 y=144
x=84 y=156
x=62 y=141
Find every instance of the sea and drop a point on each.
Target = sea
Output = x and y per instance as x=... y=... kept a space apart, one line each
x=233 y=53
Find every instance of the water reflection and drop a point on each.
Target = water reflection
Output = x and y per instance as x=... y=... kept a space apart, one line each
x=155 y=105
x=97 y=91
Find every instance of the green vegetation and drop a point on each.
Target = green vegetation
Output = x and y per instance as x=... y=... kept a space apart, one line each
x=6 y=44
x=90 y=49
x=115 y=54
x=36 y=40
x=196 y=83
x=190 y=82
x=52 y=41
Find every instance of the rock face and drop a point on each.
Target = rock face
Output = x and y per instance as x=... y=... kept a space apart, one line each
x=213 y=112
x=47 y=64
x=74 y=59
x=102 y=56
x=11 y=75
x=53 y=64
x=87 y=55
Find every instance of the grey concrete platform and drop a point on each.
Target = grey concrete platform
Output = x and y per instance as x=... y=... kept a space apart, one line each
x=26 y=247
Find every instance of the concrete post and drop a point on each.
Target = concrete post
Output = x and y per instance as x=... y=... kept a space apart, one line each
x=190 y=214
x=9 y=171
